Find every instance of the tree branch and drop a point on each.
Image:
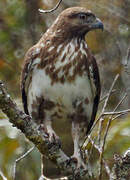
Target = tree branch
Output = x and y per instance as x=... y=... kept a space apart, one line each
x=104 y=97
x=121 y=168
x=19 y=159
x=2 y=175
x=116 y=112
x=35 y=134
x=104 y=107
x=51 y=10
x=99 y=151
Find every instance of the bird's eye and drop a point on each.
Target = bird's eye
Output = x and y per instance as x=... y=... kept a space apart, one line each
x=82 y=16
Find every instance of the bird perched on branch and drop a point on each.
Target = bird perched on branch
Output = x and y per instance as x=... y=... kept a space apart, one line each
x=60 y=79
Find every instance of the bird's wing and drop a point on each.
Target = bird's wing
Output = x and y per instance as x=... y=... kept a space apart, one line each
x=26 y=75
x=96 y=88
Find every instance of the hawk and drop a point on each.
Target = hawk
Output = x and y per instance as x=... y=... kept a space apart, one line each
x=60 y=79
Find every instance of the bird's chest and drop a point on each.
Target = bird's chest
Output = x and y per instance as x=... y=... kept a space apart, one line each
x=68 y=98
x=65 y=82
x=64 y=62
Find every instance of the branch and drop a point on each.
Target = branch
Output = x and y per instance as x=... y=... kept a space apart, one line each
x=105 y=135
x=109 y=93
x=51 y=10
x=2 y=175
x=100 y=118
x=36 y=134
x=45 y=178
x=121 y=168
x=99 y=151
x=104 y=107
x=116 y=112
x=19 y=159
x=104 y=97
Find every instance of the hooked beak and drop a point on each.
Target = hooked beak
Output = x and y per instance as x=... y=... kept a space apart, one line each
x=97 y=24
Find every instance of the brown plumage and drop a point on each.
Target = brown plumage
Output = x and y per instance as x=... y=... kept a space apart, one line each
x=60 y=79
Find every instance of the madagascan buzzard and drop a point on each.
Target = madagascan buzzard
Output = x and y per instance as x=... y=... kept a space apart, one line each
x=60 y=79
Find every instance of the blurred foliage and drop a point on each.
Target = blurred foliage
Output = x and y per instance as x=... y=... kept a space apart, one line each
x=21 y=26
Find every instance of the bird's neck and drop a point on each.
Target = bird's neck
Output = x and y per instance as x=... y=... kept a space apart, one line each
x=68 y=48
x=60 y=35
x=66 y=56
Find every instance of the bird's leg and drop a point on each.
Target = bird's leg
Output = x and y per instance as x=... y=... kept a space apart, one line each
x=43 y=118
x=53 y=137
x=77 y=156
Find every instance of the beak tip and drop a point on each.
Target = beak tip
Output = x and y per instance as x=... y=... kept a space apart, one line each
x=100 y=25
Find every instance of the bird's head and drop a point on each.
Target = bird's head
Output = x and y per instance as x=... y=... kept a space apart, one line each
x=77 y=21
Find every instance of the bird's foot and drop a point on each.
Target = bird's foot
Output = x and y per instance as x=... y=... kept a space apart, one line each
x=53 y=139
x=78 y=161
x=78 y=166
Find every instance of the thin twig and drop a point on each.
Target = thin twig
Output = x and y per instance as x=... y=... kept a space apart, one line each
x=120 y=102
x=116 y=113
x=108 y=170
x=100 y=126
x=93 y=143
x=90 y=152
x=42 y=177
x=109 y=93
x=104 y=107
x=100 y=129
x=104 y=97
x=19 y=159
x=2 y=175
x=110 y=119
x=99 y=151
x=119 y=115
x=50 y=10
x=108 y=126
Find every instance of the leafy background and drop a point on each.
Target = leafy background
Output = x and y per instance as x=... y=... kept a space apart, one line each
x=21 y=26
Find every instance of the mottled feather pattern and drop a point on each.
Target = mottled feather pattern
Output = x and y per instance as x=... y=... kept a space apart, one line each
x=60 y=79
